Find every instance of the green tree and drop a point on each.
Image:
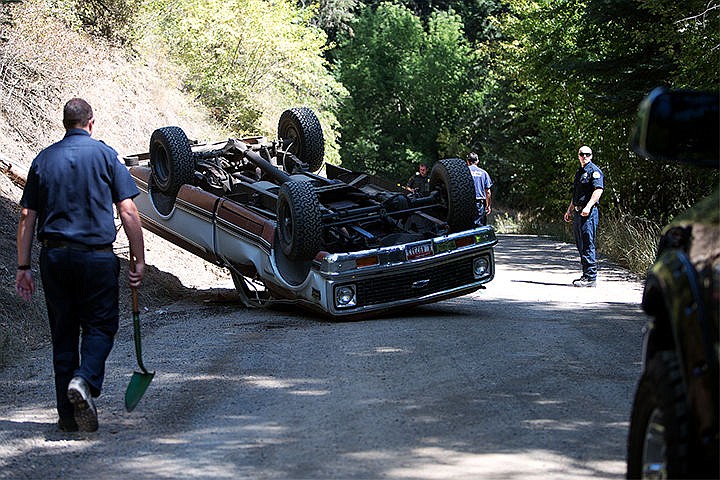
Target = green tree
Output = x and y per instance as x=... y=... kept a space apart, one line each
x=248 y=60
x=572 y=72
x=475 y=14
x=111 y=19
x=410 y=87
x=690 y=33
x=334 y=16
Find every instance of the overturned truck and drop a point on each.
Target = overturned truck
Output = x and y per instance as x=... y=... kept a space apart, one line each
x=347 y=244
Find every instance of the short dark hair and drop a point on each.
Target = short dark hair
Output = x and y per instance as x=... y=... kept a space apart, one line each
x=472 y=157
x=76 y=113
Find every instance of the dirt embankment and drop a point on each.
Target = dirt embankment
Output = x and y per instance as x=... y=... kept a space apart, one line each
x=45 y=64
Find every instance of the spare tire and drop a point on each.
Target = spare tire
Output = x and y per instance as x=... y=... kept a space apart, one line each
x=300 y=131
x=451 y=178
x=171 y=160
x=299 y=220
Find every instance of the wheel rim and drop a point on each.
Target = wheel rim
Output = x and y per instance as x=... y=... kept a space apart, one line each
x=285 y=224
x=654 y=459
x=162 y=166
x=294 y=137
x=442 y=196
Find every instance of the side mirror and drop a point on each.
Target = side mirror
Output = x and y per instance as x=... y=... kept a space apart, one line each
x=678 y=126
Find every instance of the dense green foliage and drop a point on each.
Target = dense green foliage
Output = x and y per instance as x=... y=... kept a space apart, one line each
x=474 y=14
x=112 y=19
x=413 y=89
x=522 y=82
x=248 y=60
x=525 y=83
x=572 y=72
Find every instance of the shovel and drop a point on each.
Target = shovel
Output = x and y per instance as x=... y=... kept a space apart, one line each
x=140 y=380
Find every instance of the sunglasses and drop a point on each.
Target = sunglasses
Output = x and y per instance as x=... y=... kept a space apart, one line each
x=585 y=154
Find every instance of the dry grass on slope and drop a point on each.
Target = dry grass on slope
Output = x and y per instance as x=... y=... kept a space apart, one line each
x=42 y=65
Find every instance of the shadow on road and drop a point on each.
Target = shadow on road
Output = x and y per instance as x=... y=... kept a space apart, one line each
x=497 y=384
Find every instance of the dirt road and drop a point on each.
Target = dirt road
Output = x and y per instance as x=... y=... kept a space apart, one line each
x=528 y=379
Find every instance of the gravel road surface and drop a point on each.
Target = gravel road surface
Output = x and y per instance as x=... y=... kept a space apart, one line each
x=530 y=378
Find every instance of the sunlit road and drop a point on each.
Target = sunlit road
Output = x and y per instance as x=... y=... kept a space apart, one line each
x=528 y=379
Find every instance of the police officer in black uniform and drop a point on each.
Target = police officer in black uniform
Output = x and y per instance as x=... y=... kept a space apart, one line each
x=420 y=182
x=583 y=212
x=70 y=191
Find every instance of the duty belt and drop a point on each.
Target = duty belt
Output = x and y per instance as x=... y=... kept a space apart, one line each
x=54 y=243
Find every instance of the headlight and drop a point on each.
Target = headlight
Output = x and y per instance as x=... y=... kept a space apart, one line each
x=345 y=296
x=480 y=267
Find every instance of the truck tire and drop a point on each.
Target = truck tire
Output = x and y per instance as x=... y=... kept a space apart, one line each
x=659 y=438
x=451 y=178
x=171 y=160
x=299 y=221
x=300 y=130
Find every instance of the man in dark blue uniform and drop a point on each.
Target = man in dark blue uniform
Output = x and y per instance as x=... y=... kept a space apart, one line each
x=71 y=188
x=420 y=182
x=583 y=212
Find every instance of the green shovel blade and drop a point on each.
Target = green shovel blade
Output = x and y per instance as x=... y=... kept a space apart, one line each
x=140 y=380
x=136 y=389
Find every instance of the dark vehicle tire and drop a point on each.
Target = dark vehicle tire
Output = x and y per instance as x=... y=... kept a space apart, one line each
x=171 y=160
x=659 y=438
x=300 y=129
x=299 y=221
x=451 y=178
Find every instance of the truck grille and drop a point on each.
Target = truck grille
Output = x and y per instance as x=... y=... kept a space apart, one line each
x=427 y=280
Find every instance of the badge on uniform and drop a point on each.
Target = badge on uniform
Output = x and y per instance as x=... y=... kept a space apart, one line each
x=596 y=174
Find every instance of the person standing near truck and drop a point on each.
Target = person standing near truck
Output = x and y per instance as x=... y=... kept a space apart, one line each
x=420 y=182
x=583 y=212
x=70 y=191
x=483 y=184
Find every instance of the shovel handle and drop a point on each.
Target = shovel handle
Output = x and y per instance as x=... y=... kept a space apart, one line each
x=136 y=321
x=135 y=307
x=138 y=342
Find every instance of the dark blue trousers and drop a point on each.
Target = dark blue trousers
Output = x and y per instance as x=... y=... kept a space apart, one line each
x=81 y=292
x=584 y=230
